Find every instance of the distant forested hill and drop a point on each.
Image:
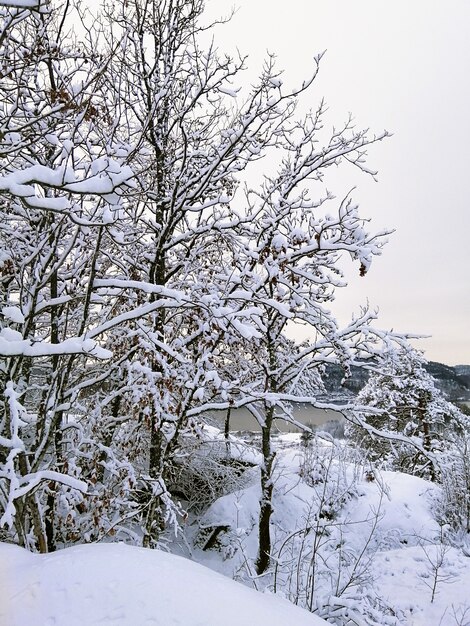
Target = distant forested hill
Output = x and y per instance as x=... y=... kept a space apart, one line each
x=454 y=382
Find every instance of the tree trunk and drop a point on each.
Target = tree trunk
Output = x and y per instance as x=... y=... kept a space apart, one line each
x=266 y=509
x=227 y=430
x=33 y=507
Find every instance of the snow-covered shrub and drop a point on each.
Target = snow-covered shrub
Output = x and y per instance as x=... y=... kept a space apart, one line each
x=454 y=505
x=206 y=469
x=109 y=509
x=320 y=565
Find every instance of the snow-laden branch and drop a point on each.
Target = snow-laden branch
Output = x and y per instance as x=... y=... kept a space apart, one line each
x=104 y=177
x=13 y=344
x=19 y=486
x=23 y=4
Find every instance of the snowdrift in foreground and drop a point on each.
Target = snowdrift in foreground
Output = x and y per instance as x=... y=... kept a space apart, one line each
x=118 y=585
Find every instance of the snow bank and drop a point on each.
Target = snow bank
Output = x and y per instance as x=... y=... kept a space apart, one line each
x=405 y=509
x=403 y=560
x=119 y=585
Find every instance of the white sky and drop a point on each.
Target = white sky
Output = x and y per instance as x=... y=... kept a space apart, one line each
x=404 y=66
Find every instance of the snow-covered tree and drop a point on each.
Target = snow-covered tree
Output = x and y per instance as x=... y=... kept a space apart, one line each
x=203 y=255
x=402 y=399
x=127 y=235
x=290 y=266
x=60 y=180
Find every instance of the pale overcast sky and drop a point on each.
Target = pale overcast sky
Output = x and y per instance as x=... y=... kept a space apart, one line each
x=403 y=66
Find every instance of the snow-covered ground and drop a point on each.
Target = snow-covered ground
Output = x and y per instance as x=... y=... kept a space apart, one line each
x=405 y=577
x=119 y=585
x=376 y=554
x=382 y=534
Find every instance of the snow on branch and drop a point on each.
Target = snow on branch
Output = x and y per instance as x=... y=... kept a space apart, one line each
x=23 y=4
x=12 y=344
x=106 y=176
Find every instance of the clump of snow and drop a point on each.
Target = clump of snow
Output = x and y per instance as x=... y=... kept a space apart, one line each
x=13 y=344
x=127 y=586
x=404 y=502
x=14 y=314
